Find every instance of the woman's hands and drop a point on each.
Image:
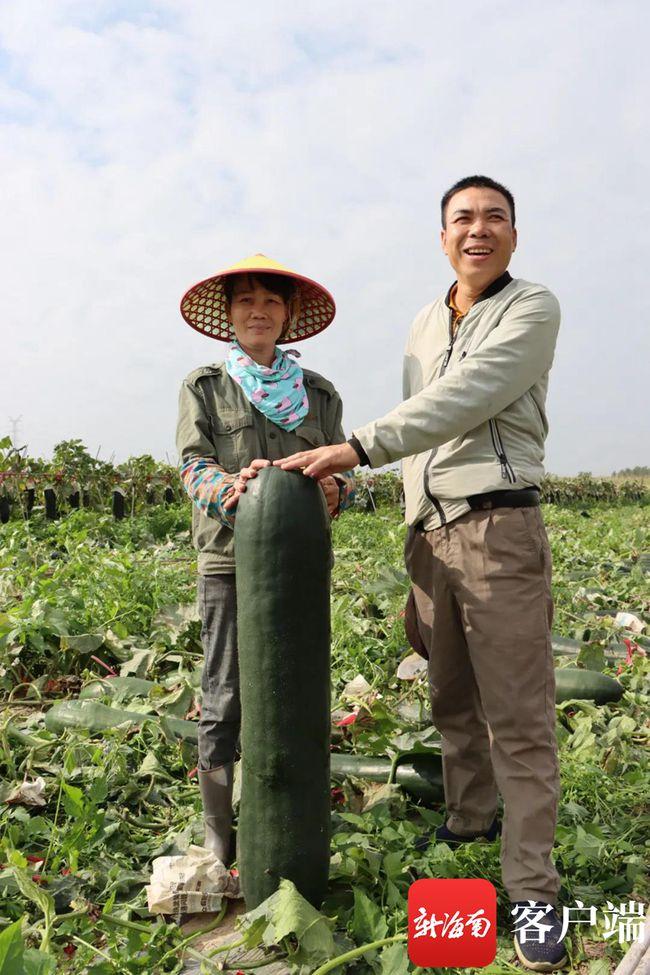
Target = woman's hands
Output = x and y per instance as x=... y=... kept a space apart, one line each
x=239 y=484
x=329 y=486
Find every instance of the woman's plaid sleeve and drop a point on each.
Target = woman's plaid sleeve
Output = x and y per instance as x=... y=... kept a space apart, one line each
x=208 y=485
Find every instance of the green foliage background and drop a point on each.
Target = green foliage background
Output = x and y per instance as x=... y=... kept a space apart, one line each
x=87 y=592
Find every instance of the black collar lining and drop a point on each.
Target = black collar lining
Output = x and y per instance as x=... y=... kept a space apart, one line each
x=492 y=289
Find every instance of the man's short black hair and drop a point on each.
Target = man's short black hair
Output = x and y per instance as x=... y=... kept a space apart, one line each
x=483 y=182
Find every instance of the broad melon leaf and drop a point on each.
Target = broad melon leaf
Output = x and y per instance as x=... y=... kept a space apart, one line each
x=600 y=966
x=394 y=960
x=73 y=801
x=292 y=914
x=173 y=620
x=368 y=921
x=38 y=963
x=139 y=663
x=11 y=949
x=286 y=912
x=82 y=643
x=43 y=900
x=592 y=658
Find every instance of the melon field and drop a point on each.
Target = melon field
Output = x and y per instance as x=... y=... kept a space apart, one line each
x=89 y=797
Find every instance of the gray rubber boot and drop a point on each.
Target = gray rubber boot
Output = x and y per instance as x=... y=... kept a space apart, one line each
x=216 y=793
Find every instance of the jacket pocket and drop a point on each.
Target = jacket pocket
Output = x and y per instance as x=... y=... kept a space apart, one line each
x=231 y=434
x=312 y=437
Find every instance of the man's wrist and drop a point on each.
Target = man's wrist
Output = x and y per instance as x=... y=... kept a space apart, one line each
x=364 y=460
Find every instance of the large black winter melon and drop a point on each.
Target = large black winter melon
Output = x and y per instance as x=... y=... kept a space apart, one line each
x=283 y=557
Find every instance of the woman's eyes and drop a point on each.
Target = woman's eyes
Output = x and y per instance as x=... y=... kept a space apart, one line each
x=246 y=299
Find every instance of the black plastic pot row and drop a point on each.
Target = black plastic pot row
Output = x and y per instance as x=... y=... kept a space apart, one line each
x=73 y=501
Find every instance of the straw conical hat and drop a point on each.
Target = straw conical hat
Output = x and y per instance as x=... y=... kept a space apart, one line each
x=204 y=305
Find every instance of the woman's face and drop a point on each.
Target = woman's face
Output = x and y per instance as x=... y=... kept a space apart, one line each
x=258 y=317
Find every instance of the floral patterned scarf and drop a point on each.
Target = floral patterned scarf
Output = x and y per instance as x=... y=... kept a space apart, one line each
x=277 y=390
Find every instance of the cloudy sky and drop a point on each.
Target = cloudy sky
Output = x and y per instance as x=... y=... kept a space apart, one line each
x=145 y=145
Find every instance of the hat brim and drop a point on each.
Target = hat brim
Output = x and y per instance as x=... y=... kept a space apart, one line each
x=204 y=306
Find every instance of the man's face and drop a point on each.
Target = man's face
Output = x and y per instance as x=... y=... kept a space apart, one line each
x=478 y=237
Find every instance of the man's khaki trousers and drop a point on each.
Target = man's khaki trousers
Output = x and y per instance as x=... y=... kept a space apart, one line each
x=482 y=587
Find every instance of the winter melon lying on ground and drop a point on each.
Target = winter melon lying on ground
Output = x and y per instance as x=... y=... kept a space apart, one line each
x=585 y=685
x=94 y=717
x=420 y=775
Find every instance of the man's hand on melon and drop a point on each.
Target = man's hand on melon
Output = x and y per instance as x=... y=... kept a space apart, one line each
x=322 y=461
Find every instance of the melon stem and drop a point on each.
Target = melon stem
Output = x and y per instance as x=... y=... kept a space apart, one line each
x=356 y=952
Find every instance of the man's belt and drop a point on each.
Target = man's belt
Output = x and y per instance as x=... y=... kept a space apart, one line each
x=523 y=498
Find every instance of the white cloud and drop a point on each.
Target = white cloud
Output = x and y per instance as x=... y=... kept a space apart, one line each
x=149 y=144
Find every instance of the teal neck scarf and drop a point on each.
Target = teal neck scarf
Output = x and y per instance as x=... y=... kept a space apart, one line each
x=277 y=390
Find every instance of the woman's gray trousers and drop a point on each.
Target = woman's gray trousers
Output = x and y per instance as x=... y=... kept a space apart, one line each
x=220 y=710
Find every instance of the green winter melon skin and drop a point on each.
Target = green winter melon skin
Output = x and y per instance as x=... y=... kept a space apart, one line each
x=421 y=777
x=95 y=717
x=586 y=685
x=283 y=558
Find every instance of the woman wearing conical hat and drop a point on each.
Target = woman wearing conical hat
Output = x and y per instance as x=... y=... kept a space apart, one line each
x=236 y=417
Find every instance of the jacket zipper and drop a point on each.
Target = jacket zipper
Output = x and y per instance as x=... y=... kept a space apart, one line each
x=507 y=472
x=445 y=362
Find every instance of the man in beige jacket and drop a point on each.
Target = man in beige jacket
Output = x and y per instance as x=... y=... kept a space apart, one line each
x=470 y=433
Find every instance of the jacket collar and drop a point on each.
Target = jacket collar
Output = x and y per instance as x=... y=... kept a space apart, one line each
x=491 y=290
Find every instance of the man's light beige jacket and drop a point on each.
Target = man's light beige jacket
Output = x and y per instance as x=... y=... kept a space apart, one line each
x=473 y=418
